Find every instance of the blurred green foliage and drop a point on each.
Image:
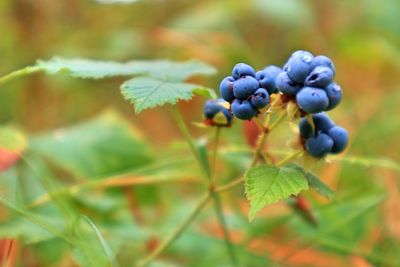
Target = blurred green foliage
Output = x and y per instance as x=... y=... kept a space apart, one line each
x=80 y=154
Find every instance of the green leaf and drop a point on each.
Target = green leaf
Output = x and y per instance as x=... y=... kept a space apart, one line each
x=285 y=12
x=94 y=69
x=39 y=221
x=315 y=182
x=102 y=146
x=97 y=247
x=344 y=224
x=369 y=162
x=268 y=184
x=147 y=93
x=319 y=186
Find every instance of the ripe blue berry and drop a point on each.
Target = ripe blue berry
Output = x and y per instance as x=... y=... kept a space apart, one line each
x=334 y=93
x=299 y=66
x=321 y=121
x=340 y=138
x=213 y=107
x=226 y=88
x=260 y=98
x=286 y=85
x=243 y=109
x=210 y=109
x=323 y=61
x=267 y=77
x=312 y=99
x=320 y=77
x=243 y=69
x=320 y=145
x=245 y=87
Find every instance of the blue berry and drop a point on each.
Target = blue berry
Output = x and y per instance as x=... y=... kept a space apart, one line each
x=321 y=121
x=320 y=145
x=340 y=138
x=299 y=66
x=334 y=93
x=323 y=61
x=244 y=87
x=243 y=109
x=320 y=77
x=213 y=107
x=312 y=100
x=286 y=85
x=226 y=88
x=243 y=69
x=267 y=77
x=305 y=128
x=260 y=98
x=210 y=109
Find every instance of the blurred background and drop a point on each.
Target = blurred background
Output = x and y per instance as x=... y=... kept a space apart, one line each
x=363 y=39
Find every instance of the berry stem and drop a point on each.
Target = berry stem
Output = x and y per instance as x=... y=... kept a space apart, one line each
x=222 y=222
x=217 y=201
x=230 y=185
x=278 y=121
x=210 y=176
x=263 y=136
x=214 y=155
x=289 y=158
x=19 y=73
x=186 y=134
x=261 y=142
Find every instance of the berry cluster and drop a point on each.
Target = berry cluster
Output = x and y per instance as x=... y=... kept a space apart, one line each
x=310 y=80
x=248 y=91
x=325 y=138
x=305 y=78
x=217 y=113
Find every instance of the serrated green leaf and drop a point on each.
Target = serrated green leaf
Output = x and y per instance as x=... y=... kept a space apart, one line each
x=102 y=146
x=319 y=186
x=268 y=184
x=145 y=93
x=315 y=182
x=95 y=69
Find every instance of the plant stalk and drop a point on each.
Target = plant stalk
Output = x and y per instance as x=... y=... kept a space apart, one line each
x=19 y=73
x=212 y=194
x=176 y=233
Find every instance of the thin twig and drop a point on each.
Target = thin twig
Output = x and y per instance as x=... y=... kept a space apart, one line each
x=289 y=158
x=210 y=176
x=19 y=73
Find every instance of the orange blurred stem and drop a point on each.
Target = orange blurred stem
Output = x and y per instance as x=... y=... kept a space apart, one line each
x=303 y=207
